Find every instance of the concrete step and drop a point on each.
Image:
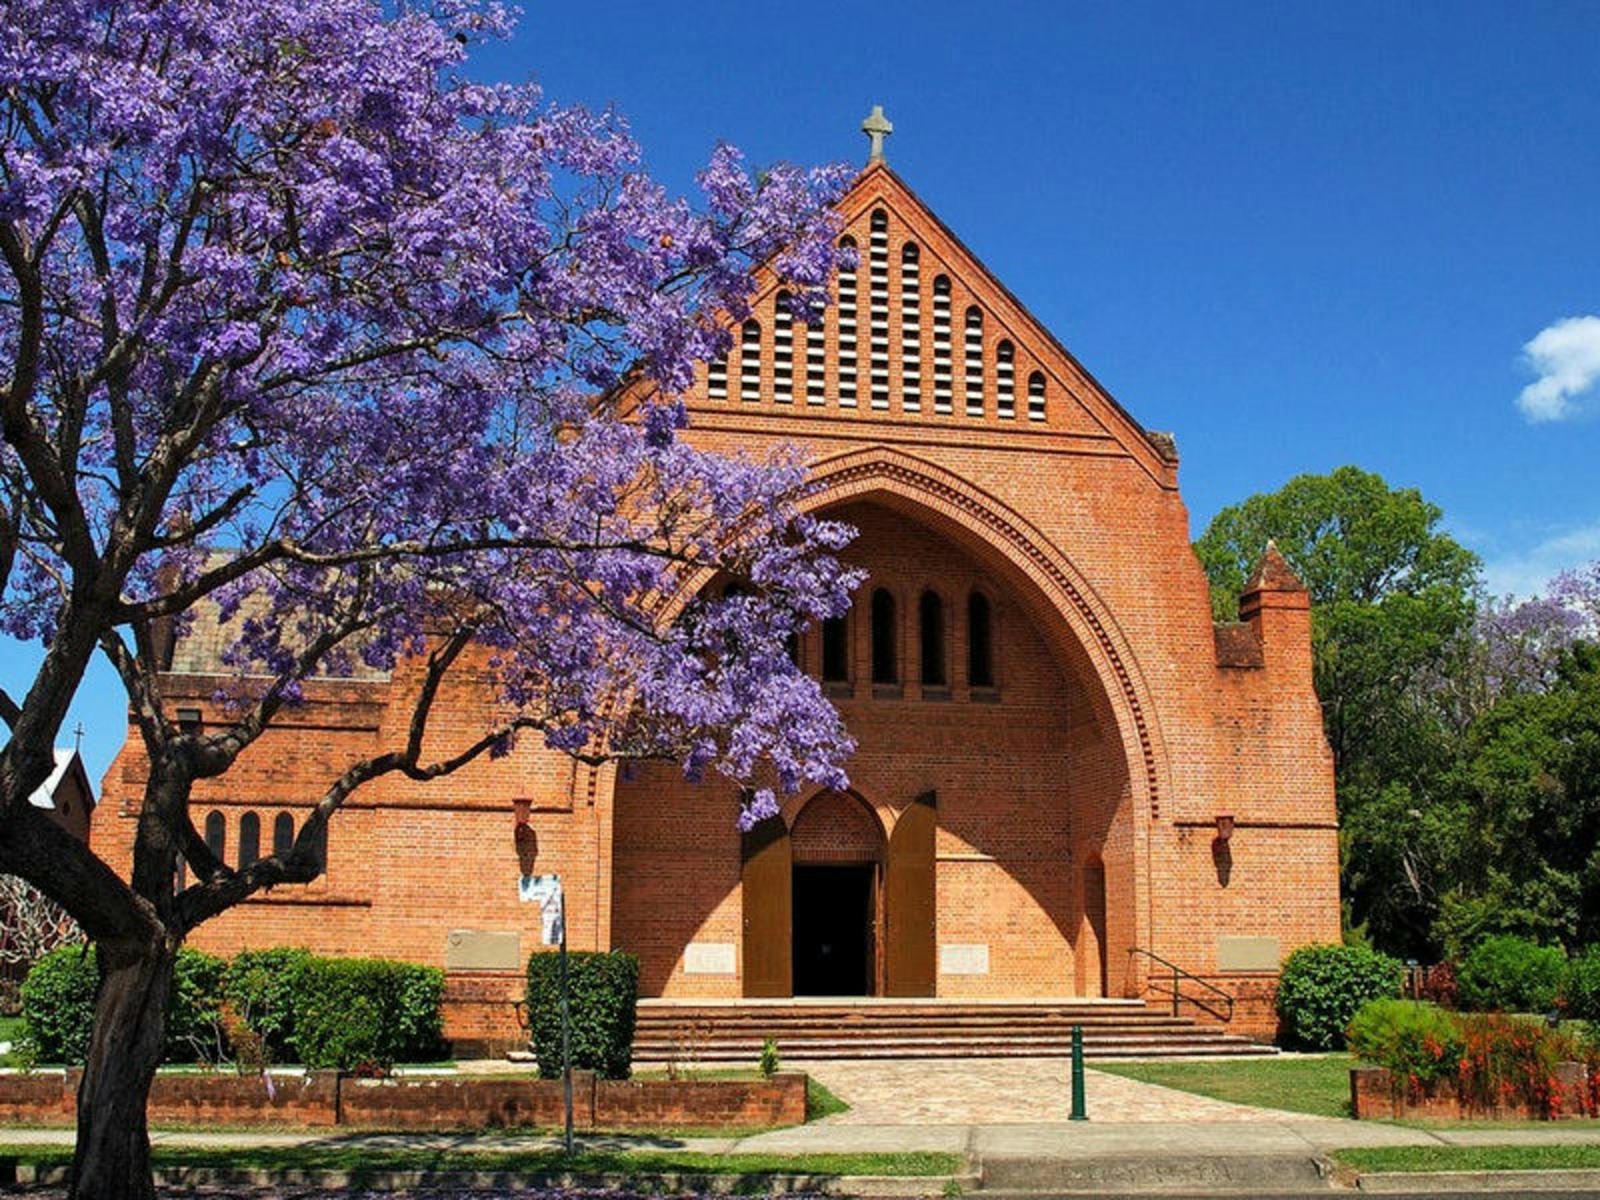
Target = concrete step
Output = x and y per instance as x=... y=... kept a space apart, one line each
x=877 y=1029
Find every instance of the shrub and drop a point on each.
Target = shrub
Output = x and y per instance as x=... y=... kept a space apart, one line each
x=1581 y=995
x=1511 y=974
x=1512 y=1060
x=58 y=1005
x=194 y=1009
x=1322 y=987
x=1419 y=1043
x=259 y=987
x=769 y=1058
x=1440 y=986
x=605 y=995
x=365 y=1014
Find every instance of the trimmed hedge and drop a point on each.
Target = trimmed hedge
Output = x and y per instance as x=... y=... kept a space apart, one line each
x=1511 y=974
x=259 y=987
x=344 y=1013
x=604 y=997
x=1322 y=987
x=194 y=1009
x=365 y=1014
x=58 y=1000
x=58 y=1005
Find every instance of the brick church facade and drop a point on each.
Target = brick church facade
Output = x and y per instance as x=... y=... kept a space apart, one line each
x=1062 y=758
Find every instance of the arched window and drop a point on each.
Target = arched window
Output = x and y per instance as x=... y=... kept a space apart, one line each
x=1005 y=381
x=283 y=834
x=835 y=650
x=930 y=623
x=974 y=379
x=783 y=350
x=847 y=328
x=816 y=357
x=1036 y=397
x=249 y=839
x=878 y=307
x=910 y=329
x=750 y=362
x=885 y=668
x=216 y=834
x=980 y=642
x=941 y=345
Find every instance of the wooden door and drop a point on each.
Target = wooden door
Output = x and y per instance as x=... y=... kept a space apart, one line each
x=768 y=899
x=909 y=901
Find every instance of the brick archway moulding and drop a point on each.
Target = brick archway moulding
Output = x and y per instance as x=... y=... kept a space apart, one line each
x=857 y=474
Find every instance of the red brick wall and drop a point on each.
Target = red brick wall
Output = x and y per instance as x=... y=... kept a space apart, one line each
x=323 y=1098
x=1114 y=738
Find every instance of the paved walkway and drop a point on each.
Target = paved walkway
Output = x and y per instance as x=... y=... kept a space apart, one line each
x=1005 y=1091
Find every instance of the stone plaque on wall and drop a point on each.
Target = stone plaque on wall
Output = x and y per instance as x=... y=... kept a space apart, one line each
x=957 y=959
x=709 y=958
x=483 y=950
x=1247 y=954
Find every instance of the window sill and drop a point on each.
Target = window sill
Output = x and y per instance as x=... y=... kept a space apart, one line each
x=839 y=689
x=888 y=691
x=937 y=693
x=986 y=695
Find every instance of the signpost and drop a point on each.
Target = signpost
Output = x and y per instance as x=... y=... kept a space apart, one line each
x=545 y=891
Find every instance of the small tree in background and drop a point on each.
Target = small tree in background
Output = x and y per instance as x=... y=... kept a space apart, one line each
x=31 y=925
x=303 y=329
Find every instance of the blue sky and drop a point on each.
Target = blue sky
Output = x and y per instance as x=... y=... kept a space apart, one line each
x=1296 y=235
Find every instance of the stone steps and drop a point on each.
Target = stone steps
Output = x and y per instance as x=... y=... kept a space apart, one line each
x=718 y=1033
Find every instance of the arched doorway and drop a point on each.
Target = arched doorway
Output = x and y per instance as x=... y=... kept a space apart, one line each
x=837 y=898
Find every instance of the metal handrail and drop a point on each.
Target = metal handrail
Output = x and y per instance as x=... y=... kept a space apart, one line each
x=1179 y=974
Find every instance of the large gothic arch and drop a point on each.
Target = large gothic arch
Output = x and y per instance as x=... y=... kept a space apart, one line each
x=983 y=522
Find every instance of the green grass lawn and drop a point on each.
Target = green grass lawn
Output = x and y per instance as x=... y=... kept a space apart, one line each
x=1316 y=1084
x=1470 y=1158
x=643 y=1163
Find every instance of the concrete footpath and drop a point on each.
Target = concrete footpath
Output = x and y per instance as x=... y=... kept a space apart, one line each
x=1282 y=1156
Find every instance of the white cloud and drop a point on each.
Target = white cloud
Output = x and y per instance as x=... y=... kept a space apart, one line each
x=1525 y=572
x=1566 y=356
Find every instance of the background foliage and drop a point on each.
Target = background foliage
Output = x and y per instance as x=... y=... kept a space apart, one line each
x=1465 y=727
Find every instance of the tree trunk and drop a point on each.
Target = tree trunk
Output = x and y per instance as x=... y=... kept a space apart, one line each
x=112 y=1160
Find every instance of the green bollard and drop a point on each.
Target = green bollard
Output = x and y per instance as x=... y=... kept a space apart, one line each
x=1078 y=1113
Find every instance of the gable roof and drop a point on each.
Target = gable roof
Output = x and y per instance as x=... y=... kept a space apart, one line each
x=67 y=762
x=884 y=356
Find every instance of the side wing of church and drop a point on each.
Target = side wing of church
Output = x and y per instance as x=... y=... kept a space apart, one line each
x=1067 y=772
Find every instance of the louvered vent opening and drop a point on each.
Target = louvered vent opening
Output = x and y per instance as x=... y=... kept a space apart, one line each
x=910 y=328
x=717 y=378
x=974 y=376
x=816 y=357
x=878 y=307
x=1005 y=381
x=750 y=362
x=942 y=370
x=783 y=350
x=847 y=331
x=1036 y=397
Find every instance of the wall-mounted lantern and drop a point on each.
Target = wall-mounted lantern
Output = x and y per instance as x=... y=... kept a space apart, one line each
x=521 y=808
x=1224 y=826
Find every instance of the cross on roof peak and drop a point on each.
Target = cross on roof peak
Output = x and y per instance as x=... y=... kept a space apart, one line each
x=876 y=127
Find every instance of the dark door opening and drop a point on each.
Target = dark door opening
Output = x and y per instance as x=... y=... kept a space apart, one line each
x=833 y=930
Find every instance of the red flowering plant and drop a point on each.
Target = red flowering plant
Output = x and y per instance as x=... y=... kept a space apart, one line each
x=1418 y=1042
x=1510 y=1062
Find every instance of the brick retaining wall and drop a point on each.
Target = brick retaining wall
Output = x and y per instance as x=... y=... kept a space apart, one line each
x=1374 y=1096
x=324 y=1098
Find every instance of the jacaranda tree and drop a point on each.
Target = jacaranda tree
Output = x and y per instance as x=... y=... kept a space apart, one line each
x=301 y=327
